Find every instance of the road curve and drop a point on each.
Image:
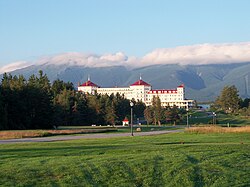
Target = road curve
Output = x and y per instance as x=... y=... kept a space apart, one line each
x=85 y=136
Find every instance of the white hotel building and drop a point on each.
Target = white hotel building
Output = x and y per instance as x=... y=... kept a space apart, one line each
x=142 y=91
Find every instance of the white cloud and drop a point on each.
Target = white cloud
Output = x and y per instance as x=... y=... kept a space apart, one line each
x=183 y=55
x=14 y=66
x=114 y=57
x=87 y=60
x=200 y=54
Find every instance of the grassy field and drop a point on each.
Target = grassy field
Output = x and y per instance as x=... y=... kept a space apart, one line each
x=219 y=129
x=144 y=128
x=205 y=117
x=233 y=120
x=183 y=159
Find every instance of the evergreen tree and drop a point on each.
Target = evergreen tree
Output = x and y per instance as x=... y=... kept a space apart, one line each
x=110 y=116
x=13 y=102
x=96 y=107
x=39 y=102
x=58 y=86
x=81 y=111
x=39 y=108
x=2 y=112
x=64 y=103
x=43 y=81
x=24 y=106
x=6 y=80
x=122 y=107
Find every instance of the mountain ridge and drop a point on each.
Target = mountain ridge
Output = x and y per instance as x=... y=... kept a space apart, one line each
x=202 y=82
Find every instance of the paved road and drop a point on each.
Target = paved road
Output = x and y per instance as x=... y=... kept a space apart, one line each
x=85 y=136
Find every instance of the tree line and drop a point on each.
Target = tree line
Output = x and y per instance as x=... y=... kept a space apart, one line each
x=35 y=103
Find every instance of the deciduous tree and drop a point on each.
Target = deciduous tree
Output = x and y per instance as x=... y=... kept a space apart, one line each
x=157 y=110
x=173 y=114
x=148 y=115
x=228 y=99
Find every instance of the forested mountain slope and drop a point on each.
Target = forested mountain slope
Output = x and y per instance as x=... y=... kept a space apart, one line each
x=203 y=82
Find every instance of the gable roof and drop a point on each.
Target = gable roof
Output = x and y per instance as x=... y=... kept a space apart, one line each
x=89 y=83
x=125 y=120
x=140 y=83
x=181 y=86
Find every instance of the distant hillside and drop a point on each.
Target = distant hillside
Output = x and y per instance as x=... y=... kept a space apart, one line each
x=203 y=82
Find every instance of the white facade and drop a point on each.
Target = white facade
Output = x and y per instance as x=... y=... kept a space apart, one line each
x=142 y=91
x=122 y=91
x=174 y=97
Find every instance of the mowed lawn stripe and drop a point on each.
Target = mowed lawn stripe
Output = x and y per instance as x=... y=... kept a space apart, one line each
x=182 y=159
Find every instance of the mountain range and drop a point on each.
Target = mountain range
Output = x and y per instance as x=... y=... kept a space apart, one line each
x=203 y=69
x=202 y=82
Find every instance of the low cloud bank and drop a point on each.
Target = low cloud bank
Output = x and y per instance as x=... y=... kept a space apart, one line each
x=88 y=60
x=184 y=55
x=200 y=54
x=14 y=66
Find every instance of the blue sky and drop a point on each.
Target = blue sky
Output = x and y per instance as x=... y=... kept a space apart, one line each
x=33 y=28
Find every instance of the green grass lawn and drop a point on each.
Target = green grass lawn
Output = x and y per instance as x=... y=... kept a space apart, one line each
x=144 y=128
x=182 y=159
x=203 y=118
x=233 y=120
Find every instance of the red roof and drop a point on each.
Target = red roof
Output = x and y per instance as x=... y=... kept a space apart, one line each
x=89 y=83
x=140 y=83
x=125 y=120
x=181 y=86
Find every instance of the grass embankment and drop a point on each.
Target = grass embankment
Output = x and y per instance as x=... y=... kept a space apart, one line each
x=183 y=159
x=44 y=133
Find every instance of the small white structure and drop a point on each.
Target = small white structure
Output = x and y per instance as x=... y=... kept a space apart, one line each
x=142 y=91
x=125 y=122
